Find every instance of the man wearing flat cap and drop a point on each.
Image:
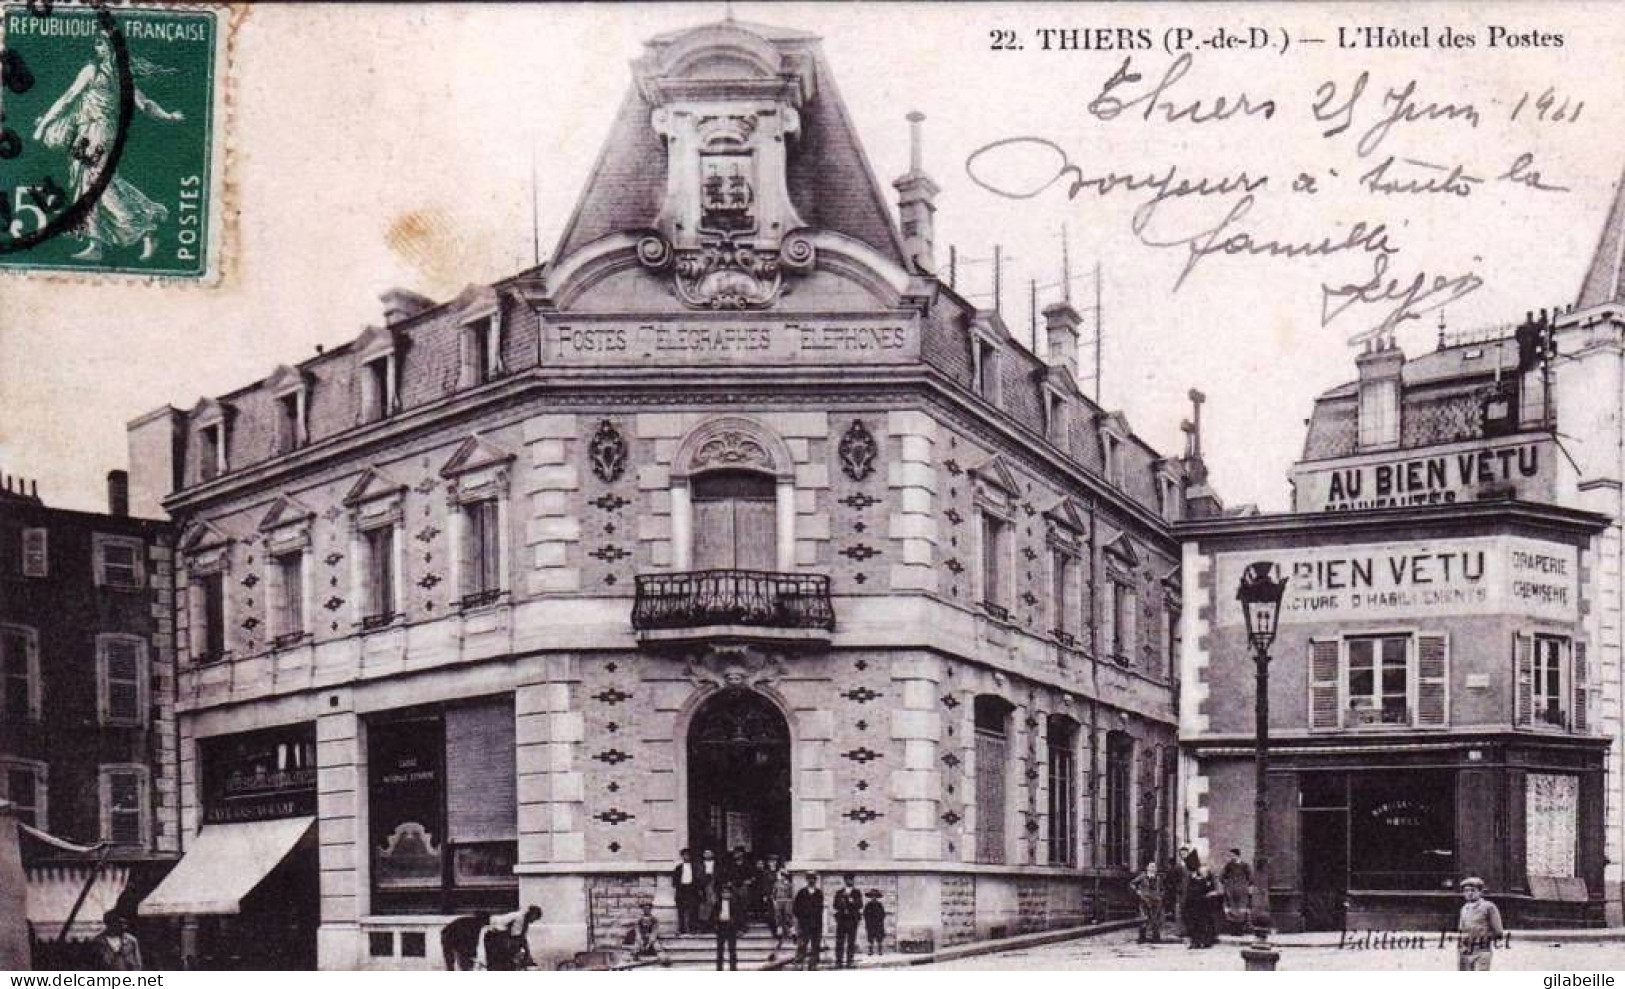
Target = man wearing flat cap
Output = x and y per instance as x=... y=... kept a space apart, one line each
x=1479 y=929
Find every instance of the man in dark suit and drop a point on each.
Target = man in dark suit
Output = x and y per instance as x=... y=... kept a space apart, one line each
x=728 y=920
x=848 y=912
x=809 y=911
x=685 y=882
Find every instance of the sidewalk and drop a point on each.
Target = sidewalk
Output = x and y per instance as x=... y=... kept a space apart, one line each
x=973 y=948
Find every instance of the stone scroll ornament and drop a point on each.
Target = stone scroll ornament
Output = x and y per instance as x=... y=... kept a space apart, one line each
x=607 y=452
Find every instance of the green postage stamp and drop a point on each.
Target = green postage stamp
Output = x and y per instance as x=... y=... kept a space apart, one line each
x=110 y=139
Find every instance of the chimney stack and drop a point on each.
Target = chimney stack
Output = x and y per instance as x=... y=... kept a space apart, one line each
x=916 y=202
x=118 y=493
x=1061 y=323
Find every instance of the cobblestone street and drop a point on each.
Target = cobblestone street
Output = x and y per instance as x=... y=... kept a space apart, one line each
x=1119 y=952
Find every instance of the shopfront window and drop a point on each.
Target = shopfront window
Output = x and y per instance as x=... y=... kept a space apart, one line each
x=1402 y=831
x=1379 y=680
x=444 y=819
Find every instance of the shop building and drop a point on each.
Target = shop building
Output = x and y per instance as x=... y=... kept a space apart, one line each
x=88 y=742
x=732 y=525
x=1432 y=698
x=1470 y=437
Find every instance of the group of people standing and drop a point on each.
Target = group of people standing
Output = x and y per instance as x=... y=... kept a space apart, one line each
x=721 y=897
x=1200 y=901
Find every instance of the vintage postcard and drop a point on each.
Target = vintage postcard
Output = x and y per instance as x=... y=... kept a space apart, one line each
x=758 y=486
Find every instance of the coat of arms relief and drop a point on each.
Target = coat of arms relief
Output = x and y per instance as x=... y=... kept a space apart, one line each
x=727 y=232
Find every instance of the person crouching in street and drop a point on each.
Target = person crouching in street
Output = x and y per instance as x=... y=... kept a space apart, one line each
x=1479 y=928
x=1148 y=887
x=460 y=941
x=728 y=920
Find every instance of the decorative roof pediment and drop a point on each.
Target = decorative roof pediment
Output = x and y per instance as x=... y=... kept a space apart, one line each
x=201 y=535
x=473 y=454
x=285 y=379
x=475 y=302
x=988 y=323
x=1059 y=377
x=1122 y=550
x=995 y=472
x=286 y=510
x=1116 y=423
x=210 y=410
x=1068 y=515
x=372 y=485
x=375 y=341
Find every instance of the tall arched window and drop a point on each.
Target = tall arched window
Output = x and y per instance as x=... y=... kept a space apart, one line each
x=733 y=499
x=735 y=521
x=992 y=716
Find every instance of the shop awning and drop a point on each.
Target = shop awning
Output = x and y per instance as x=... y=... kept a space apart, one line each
x=224 y=865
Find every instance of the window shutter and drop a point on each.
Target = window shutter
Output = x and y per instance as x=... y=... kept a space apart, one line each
x=121 y=690
x=1523 y=676
x=1432 y=680
x=1324 y=685
x=481 y=786
x=36 y=557
x=1579 y=718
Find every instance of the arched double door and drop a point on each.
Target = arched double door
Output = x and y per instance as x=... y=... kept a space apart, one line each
x=739 y=776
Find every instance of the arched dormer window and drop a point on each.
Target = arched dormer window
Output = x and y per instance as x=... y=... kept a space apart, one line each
x=733 y=499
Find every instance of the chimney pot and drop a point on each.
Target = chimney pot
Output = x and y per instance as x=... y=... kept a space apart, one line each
x=916 y=201
x=1061 y=323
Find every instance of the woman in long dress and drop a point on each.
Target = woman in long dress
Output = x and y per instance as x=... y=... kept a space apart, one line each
x=83 y=121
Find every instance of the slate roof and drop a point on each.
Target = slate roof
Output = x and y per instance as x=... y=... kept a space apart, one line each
x=829 y=176
x=1605 y=279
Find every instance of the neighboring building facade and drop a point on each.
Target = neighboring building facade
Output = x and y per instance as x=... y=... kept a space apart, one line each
x=1431 y=699
x=731 y=525
x=87 y=721
x=1532 y=412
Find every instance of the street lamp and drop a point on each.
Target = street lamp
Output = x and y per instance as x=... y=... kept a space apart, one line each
x=1260 y=596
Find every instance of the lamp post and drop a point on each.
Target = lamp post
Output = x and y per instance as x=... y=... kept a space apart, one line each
x=1260 y=596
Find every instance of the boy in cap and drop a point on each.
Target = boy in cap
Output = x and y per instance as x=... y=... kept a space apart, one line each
x=874 y=922
x=1479 y=928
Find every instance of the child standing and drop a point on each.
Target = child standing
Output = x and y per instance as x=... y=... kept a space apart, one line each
x=874 y=923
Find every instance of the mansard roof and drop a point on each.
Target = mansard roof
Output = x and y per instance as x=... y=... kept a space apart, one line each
x=831 y=183
x=1605 y=278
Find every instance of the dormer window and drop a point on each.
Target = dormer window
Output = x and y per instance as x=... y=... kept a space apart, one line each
x=377 y=385
x=1379 y=413
x=1168 y=497
x=211 y=451
x=1112 y=458
x=478 y=341
x=1055 y=417
x=211 y=421
x=377 y=355
x=987 y=369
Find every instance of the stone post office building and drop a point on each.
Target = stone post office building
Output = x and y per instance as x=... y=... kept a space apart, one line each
x=730 y=525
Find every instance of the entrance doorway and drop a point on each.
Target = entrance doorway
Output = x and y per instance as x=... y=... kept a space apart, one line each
x=739 y=776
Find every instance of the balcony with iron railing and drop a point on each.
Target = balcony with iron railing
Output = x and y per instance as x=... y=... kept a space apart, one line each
x=733 y=604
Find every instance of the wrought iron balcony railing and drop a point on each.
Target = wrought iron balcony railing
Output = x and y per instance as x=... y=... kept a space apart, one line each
x=733 y=597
